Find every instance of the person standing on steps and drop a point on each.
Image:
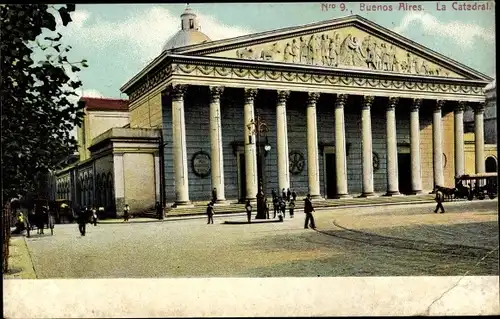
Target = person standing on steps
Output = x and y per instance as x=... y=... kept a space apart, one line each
x=439 y=200
x=308 y=209
x=294 y=195
x=210 y=213
x=248 y=208
x=283 y=194
x=275 y=206
x=283 y=206
x=126 y=213
x=288 y=195
x=291 y=206
x=159 y=210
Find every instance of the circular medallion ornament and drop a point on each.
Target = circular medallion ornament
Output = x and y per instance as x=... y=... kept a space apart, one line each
x=297 y=162
x=376 y=162
x=200 y=163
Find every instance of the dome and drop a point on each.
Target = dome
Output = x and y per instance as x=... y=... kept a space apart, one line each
x=189 y=34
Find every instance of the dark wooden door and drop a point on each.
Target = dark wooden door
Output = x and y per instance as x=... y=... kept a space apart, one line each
x=331 y=175
x=404 y=173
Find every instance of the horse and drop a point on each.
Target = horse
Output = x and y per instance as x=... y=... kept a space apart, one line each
x=447 y=192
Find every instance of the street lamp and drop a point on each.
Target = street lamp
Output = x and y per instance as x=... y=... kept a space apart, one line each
x=260 y=128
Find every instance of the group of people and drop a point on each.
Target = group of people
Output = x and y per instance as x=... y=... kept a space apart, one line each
x=37 y=217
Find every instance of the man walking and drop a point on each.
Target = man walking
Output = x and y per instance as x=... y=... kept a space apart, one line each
x=308 y=209
x=159 y=210
x=126 y=213
x=248 y=208
x=210 y=213
x=291 y=206
x=439 y=200
x=283 y=207
x=82 y=221
x=275 y=206
x=94 y=216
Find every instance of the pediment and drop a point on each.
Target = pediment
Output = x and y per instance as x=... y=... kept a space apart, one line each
x=347 y=43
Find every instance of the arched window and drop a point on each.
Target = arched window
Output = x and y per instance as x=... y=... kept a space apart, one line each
x=110 y=191
x=491 y=164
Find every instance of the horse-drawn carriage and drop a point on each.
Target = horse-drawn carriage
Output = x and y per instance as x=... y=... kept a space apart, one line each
x=470 y=186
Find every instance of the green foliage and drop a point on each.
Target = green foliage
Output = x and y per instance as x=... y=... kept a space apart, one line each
x=37 y=115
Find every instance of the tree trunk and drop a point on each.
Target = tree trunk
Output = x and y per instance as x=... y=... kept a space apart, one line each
x=6 y=220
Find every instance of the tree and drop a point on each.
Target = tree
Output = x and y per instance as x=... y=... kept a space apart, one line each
x=37 y=112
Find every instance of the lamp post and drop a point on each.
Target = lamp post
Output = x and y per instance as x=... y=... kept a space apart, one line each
x=259 y=126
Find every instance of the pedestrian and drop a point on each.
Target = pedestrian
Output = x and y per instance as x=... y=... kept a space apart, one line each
x=275 y=206
x=126 y=213
x=308 y=209
x=94 y=216
x=214 y=195
x=159 y=210
x=439 y=200
x=294 y=196
x=283 y=194
x=82 y=220
x=288 y=195
x=291 y=207
x=248 y=208
x=273 y=193
x=283 y=207
x=210 y=213
x=267 y=208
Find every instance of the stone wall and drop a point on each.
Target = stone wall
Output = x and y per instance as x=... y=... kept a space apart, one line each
x=147 y=112
x=139 y=176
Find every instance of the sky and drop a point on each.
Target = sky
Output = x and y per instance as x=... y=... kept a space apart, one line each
x=119 y=40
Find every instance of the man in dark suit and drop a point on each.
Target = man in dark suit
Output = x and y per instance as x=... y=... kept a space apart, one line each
x=308 y=209
x=82 y=220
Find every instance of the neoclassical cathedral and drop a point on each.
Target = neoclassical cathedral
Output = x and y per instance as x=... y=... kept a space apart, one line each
x=337 y=108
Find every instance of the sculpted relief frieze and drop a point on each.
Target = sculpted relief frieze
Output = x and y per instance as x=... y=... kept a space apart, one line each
x=346 y=47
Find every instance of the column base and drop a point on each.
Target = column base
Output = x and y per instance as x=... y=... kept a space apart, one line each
x=419 y=192
x=340 y=196
x=316 y=197
x=393 y=193
x=222 y=202
x=369 y=194
x=183 y=204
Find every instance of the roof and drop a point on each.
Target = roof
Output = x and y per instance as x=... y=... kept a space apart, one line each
x=184 y=38
x=105 y=104
x=211 y=47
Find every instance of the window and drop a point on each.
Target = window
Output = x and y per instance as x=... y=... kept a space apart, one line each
x=191 y=24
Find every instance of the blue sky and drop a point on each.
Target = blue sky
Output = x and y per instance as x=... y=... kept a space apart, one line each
x=118 y=40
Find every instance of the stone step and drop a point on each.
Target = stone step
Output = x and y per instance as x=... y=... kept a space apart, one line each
x=236 y=208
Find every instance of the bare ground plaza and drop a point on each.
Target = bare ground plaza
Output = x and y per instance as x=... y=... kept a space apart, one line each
x=400 y=240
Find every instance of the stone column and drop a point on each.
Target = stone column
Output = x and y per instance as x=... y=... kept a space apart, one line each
x=179 y=146
x=437 y=142
x=459 y=139
x=479 y=137
x=312 y=146
x=250 y=146
x=156 y=159
x=416 y=171
x=366 y=140
x=340 y=147
x=282 y=141
x=217 y=159
x=392 y=148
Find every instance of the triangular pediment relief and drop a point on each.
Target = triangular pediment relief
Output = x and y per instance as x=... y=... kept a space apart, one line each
x=347 y=43
x=348 y=47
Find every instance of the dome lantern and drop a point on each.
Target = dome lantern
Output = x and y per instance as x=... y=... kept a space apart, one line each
x=189 y=33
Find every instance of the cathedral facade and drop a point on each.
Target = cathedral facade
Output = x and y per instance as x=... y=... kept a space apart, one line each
x=338 y=108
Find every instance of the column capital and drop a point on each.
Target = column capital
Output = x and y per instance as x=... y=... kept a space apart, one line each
x=215 y=92
x=367 y=102
x=177 y=91
x=341 y=99
x=393 y=102
x=439 y=105
x=461 y=106
x=417 y=103
x=250 y=95
x=312 y=98
x=283 y=96
x=479 y=108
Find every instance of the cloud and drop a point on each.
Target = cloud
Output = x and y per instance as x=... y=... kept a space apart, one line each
x=464 y=34
x=143 y=33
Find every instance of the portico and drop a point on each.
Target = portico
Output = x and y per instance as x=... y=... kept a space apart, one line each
x=341 y=122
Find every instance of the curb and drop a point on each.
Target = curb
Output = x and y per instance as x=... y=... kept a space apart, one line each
x=20 y=260
x=202 y=215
